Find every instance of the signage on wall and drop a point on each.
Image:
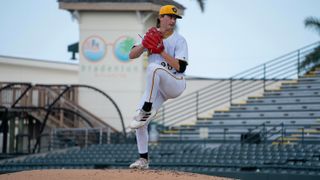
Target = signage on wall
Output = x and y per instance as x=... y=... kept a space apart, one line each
x=122 y=48
x=94 y=48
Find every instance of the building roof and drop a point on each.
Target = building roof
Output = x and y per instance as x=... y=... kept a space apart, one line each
x=39 y=63
x=117 y=5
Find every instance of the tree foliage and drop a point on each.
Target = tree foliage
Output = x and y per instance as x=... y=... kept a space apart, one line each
x=312 y=60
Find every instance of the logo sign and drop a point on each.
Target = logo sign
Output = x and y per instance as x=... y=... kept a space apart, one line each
x=122 y=48
x=94 y=48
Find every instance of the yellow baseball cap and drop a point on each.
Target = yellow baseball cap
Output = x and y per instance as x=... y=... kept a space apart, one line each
x=169 y=9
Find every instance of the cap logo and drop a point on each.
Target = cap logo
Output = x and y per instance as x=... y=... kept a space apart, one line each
x=174 y=9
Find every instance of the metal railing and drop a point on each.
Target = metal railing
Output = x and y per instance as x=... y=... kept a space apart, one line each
x=63 y=138
x=225 y=91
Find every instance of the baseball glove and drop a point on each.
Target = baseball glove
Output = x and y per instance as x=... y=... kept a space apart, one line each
x=153 y=41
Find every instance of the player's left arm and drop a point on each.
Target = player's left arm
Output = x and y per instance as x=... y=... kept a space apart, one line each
x=179 y=62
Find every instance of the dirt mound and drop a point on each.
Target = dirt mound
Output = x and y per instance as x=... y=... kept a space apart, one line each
x=117 y=174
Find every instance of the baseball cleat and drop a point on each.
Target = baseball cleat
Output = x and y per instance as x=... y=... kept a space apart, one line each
x=141 y=163
x=142 y=118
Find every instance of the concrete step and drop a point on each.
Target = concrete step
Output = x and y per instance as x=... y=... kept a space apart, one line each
x=267 y=114
x=307 y=80
x=292 y=93
x=288 y=100
x=256 y=121
x=301 y=86
x=278 y=107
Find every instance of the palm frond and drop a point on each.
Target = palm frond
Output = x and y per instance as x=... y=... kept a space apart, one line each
x=313 y=23
x=311 y=60
x=201 y=4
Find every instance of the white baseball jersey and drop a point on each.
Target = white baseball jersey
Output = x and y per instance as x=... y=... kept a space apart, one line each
x=163 y=82
x=176 y=46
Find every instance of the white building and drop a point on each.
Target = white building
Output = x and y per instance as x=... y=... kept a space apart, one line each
x=108 y=29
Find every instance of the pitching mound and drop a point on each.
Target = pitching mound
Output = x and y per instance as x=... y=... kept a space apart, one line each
x=126 y=174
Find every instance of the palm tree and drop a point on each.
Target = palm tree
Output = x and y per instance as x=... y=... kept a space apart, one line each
x=312 y=60
x=312 y=22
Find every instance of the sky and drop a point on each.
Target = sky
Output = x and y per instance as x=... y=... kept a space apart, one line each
x=229 y=37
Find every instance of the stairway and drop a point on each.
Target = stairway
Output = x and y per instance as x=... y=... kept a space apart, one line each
x=33 y=113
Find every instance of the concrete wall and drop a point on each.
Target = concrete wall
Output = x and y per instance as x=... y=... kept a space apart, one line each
x=105 y=64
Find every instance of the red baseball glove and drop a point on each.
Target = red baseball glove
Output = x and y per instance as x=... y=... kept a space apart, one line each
x=153 y=41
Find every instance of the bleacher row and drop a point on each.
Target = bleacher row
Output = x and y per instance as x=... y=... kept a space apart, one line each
x=295 y=104
x=192 y=157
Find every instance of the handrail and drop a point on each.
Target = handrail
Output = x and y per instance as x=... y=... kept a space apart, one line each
x=225 y=91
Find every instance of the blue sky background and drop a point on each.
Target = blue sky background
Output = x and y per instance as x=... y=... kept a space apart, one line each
x=229 y=37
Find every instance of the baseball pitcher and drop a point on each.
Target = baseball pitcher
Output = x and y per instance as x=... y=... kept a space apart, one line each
x=167 y=62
